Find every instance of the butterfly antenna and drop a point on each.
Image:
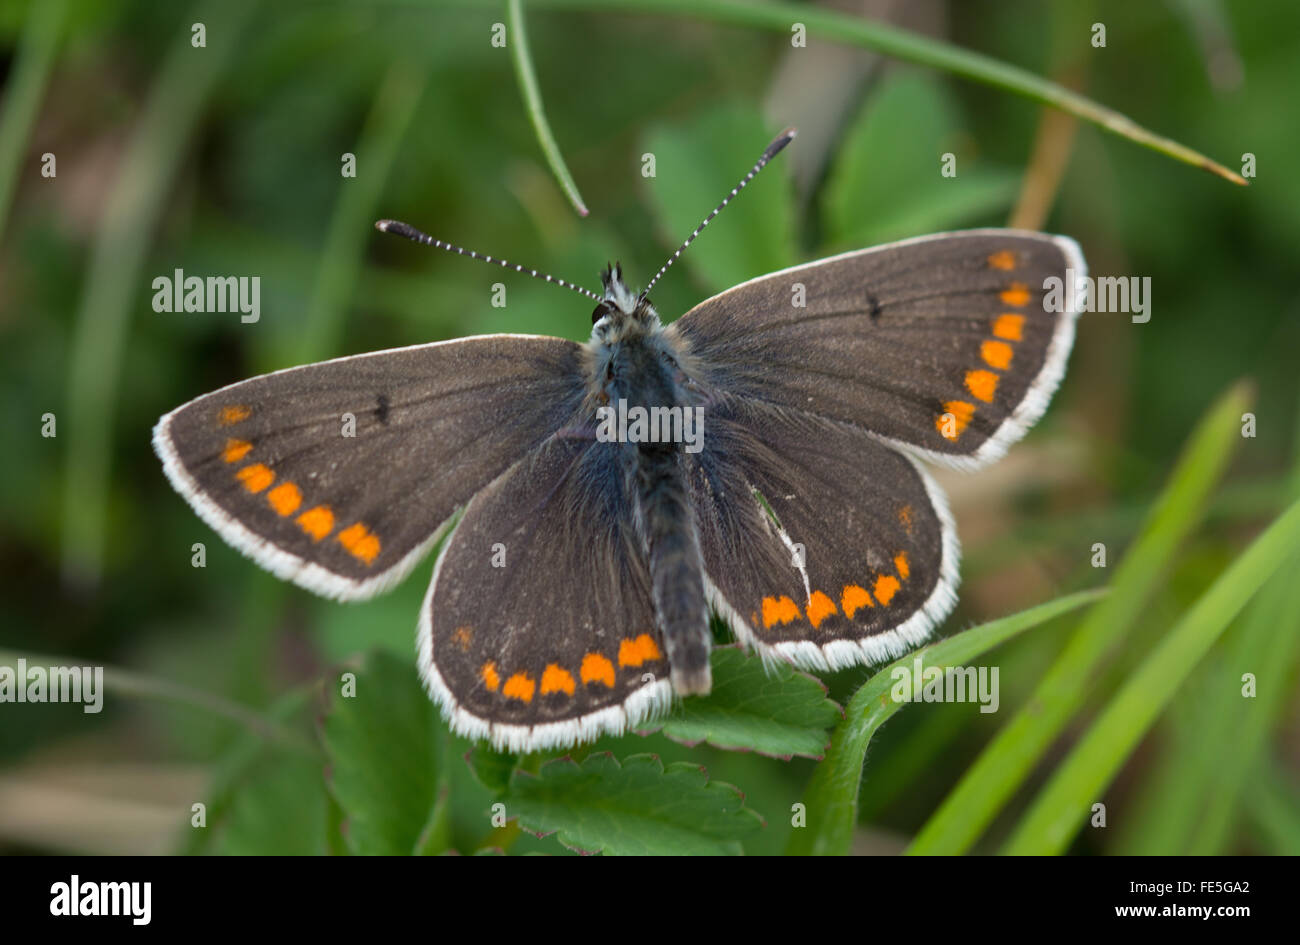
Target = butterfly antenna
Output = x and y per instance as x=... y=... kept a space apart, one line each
x=411 y=233
x=771 y=151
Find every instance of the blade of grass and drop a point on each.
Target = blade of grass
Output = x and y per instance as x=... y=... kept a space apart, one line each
x=1192 y=799
x=909 y=47
x=342 y=258
x=532 y=93
x=1273 y=645
x=1002 y=767
x=831 y=800
x=904 y=765
x=1270 y=649
x=26 y=86
x=1273 y=811
x=138 y=686
x=134 y=206
x=1062 y=807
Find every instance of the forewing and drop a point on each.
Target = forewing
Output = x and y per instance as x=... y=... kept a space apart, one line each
x=948 y=344
x=339 y=475
x=853 y=559
x=538 y=629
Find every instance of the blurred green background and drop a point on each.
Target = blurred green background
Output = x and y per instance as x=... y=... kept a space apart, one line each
x=226 y=160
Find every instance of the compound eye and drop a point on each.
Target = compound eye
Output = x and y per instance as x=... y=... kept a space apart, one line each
x=600 y=312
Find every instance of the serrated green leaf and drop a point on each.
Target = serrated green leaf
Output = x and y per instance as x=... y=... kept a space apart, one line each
x=490 y=768
x=638 y=807
x=279 y=812
x=240 y=767
x=381 y=744
x=779 y=712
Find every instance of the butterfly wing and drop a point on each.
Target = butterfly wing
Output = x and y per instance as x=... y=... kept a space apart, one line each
x=538 y=629
x=339 y=476
x=822 y=545
x=948 y=344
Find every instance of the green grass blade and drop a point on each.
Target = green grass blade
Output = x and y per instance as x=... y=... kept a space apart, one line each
x=1193 y=797
x=1273 y=811
x=1002 y=767
x=831 y=800
x=1062 y=807
x=1270 y=649
x=517 y=39
x=909 y=47
x=350 y=229
x=139 y=686
x=26 y=85
x=134 y=206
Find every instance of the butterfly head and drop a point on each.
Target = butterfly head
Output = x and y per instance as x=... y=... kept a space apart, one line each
x=621 y=312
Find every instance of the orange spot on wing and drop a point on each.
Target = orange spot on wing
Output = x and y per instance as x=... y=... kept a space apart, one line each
x=982 y=384
x=885 y=589
x=236 y=450
x=255 y=477
x=317 y=522
x=779 y=610
x=555 y=679
x=905 y=516
x=854 y=598
x=1003 y=259
x=635 y=652
x=1008 y=326
x=462 y=636
x=360 y=542
x=228 y=416
x=961 y=416
x=996 y=354
x=819 y=608
x=519 y=686
x=1016 y=294
x=285 y=498
x=901 y=565
x=596 y=668
x=491 y=678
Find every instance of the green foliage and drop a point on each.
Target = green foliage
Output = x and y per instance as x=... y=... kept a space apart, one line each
x=225 y=160
x=383 y=761
x=634 y=808
x=897 y=175
x=832 y=798
x=1060 y=694
x=776 y=711
x=690 y=160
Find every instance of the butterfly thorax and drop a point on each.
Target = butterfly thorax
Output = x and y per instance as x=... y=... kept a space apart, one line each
x=636 y=375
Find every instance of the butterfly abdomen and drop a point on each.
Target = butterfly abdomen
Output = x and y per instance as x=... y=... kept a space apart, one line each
x=676 y=569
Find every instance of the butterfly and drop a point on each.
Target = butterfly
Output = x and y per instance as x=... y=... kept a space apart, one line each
x=758 y=458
